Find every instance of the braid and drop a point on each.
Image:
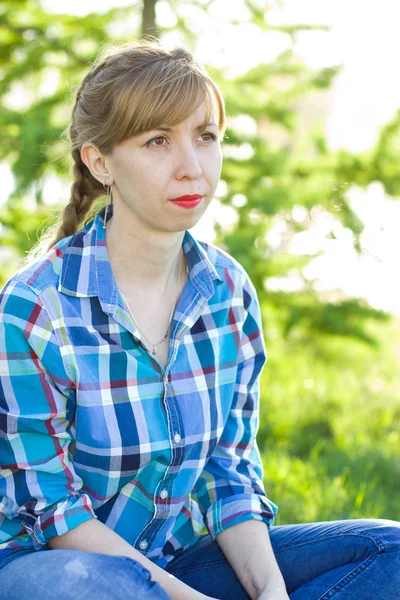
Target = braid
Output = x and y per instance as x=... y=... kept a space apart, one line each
x=84 y=190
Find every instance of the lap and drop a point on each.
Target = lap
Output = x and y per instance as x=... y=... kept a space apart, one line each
x=205 y=568
x=313 y=558
x=321 y=552
x=307 y=551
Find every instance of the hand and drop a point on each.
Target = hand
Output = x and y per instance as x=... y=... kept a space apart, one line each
x=277 y=595
x=274 y=591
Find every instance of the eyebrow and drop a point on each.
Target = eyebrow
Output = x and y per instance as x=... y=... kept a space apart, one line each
x=198 y=128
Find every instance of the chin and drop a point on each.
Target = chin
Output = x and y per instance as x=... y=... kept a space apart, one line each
x=186 y=222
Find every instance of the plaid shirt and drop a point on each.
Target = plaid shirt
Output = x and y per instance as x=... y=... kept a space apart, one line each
x=92 y=426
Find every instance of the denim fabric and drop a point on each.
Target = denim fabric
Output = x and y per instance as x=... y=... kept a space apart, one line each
x=339 y=560
x=75 y=575
x=342 y=560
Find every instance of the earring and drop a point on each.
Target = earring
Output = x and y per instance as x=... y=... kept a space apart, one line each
x=108 y=189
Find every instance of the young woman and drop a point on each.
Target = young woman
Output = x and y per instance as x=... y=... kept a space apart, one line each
x=130 y=361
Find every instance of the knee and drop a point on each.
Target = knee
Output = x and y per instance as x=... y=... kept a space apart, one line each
x=68 y=574
x=393 y=528
x=385 y=532
x=107 y=577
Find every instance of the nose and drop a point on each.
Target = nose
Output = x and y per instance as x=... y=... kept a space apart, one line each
x=188 y=163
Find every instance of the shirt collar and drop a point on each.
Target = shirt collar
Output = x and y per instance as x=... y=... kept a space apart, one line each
x=86 y=269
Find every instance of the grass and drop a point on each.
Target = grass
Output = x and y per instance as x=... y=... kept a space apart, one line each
x=330 y=427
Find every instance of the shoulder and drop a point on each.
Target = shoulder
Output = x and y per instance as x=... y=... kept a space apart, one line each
x=26 y=285
x=230 y=271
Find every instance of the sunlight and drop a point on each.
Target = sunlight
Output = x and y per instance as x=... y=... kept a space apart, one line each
x=364 y=39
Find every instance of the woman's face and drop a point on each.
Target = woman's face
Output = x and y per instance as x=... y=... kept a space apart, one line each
x=153 y=169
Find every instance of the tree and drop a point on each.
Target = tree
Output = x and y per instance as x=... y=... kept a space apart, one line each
x=265 y=185
x=321 y=369
x=149 y=27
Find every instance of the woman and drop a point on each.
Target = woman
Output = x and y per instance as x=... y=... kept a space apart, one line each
x=129 y=381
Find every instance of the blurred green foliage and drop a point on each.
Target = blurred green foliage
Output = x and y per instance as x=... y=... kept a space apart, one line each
x=329 y=429
x=331 y=394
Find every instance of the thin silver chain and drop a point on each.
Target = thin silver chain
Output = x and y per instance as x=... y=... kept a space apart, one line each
x=154 y=346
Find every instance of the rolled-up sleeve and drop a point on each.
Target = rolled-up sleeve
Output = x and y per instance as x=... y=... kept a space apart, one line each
x=230 y=488
x=39 y=489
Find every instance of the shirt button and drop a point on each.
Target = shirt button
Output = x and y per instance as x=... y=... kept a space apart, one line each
x=164 y=494
x=143 y=545
x=177 y=438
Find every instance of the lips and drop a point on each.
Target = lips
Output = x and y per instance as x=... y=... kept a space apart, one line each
x=187 y=201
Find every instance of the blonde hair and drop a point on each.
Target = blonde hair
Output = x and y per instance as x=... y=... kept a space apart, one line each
x=129 y=90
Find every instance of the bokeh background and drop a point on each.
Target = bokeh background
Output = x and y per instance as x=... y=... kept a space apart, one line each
x=308 y=203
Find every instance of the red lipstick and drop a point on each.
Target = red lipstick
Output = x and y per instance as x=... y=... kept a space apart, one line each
x=187 y=201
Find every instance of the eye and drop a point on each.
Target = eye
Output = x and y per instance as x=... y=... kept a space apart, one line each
x=208 y=137
x=157 y=142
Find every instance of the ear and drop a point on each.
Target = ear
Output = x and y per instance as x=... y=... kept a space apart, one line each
x=96 y=163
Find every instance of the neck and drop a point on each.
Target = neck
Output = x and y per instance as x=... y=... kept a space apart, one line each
x=141 y=258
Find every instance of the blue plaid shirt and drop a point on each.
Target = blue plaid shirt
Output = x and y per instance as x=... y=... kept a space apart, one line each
x=93 y=427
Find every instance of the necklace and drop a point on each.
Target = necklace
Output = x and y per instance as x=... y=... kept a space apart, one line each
x=154 y=346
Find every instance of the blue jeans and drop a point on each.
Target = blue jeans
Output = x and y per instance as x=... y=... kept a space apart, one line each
x=343 y=560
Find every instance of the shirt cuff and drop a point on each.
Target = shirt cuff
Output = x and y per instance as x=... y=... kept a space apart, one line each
x=60 y=519
x=230 y=511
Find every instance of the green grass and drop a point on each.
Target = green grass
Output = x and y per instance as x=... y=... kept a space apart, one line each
x=330 y=427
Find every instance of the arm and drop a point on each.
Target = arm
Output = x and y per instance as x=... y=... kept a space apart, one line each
x=230 y=489
x=94 y=536
x=41 y=495
x=249 y=552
